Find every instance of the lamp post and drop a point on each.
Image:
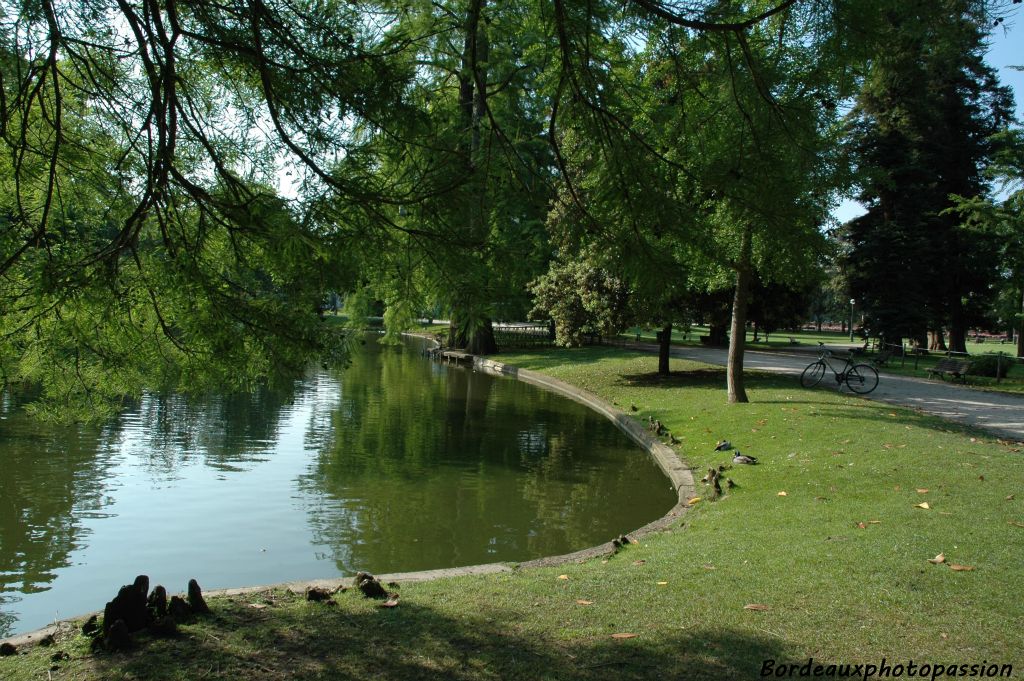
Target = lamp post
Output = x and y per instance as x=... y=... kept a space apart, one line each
x=852 y=301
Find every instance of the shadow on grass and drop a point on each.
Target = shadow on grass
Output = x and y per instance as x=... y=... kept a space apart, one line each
x=710 y=377
x=862 y=409
x=546 y=358
x=313 y=641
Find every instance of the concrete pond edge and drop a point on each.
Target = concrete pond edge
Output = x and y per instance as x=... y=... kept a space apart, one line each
x=678 y=473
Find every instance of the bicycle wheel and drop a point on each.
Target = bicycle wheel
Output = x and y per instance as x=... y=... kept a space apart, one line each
x=813 y=374
x=862 y=378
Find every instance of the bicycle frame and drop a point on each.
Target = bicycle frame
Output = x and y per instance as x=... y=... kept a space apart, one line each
x=825 y=355
x=859 y=378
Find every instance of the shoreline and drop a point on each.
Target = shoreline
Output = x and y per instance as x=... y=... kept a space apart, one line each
x=678 y=473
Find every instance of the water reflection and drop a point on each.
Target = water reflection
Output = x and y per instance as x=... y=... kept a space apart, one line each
x=496 y=470
x=51 y=477
x=392 y=464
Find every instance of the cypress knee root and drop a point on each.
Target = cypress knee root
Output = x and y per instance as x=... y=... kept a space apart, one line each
x=158 y=602
x=195 y=598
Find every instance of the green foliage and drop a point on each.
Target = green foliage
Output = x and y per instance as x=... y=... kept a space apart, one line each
x=924 y=130
x=991 y=365
x=580 y=299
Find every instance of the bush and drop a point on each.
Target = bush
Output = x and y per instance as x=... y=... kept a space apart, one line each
x=987 y=365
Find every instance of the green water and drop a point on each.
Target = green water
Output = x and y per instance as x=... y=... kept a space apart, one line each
x=393 y=464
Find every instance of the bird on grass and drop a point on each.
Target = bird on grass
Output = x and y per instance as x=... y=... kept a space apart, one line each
x=744 y=459
x=673 y=439
x=723 y=446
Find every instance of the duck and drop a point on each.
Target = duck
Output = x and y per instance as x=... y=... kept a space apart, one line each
x=744 y=459
x=723 y=446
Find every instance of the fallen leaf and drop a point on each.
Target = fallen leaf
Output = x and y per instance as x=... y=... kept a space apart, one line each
x=961 y=568
x=584 y=602
x=563 y=576
x=755 y=606
x=257 y=606
x=391 y=602
x=693 y=501
x=625 y=635
x=922 y=490
x=782 y=494
x=944 y=636
x=981 y=477
x=923 y=504
x=662 y=583
x=974 y=439
x=862 y=526
x=639 y=562
x=708 y=566
x=874 y=522
x=1010 y=497
x=941 y=558
x=1014 y=522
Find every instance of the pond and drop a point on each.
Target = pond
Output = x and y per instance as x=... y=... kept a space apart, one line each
x=393 y=464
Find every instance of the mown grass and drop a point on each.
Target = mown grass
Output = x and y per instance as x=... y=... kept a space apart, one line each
x=840 y=561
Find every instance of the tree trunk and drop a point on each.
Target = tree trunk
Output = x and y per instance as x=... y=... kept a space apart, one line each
x=664 y=348
x=481 y=339
x=1020 y=332
x=456 y=334
x=475 y=337
x=737 y=338
x=957 y=328
x=936 y=340
x=718 y=333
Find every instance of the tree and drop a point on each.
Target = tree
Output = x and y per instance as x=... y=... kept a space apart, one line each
x=922 y=131
x=141 y=243
x=580 y=299
x=142 y=140
x=472 y=244
x=1003 y=222
x=751 y=130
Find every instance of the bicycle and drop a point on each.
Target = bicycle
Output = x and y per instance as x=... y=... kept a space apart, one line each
x=860 y=378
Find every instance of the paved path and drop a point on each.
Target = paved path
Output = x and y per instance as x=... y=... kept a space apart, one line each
x=999 y=413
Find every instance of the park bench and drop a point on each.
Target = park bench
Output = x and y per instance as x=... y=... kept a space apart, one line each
x=957 y=368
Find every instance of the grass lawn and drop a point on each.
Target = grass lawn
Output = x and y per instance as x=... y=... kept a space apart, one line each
x=838 y=565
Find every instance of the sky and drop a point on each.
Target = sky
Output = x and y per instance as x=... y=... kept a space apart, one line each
x=1007 y=50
